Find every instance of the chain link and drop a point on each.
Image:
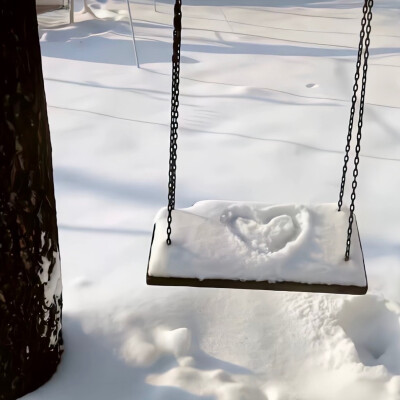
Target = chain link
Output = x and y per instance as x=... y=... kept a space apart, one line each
x=369 y=4
x=176 y=57
x=353 y=103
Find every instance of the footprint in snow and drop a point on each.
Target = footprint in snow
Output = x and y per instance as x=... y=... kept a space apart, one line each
x=81 y=282
x=373 y=325
x=210 y=383
x=312 y=85
x=145 y=348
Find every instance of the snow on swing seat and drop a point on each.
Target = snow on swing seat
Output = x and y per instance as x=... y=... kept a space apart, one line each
x=257 y=246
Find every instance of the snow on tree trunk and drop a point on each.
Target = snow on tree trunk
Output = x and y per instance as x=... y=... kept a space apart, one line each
x=30 y=275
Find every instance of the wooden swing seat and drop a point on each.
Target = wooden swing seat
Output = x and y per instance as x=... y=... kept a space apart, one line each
x=257 y=246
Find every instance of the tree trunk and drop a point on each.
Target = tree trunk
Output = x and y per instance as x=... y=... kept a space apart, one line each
x=30 y=274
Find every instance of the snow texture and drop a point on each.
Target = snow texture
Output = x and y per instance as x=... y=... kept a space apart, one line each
x=52 y=286
x=250 y=129
x=245 y=241
x=52 y=282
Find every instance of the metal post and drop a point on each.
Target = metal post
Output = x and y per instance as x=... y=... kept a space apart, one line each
x=71 y=11
x=155 y=5
x=133 y=34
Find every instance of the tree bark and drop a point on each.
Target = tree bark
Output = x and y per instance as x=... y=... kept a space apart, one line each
x=30 y=274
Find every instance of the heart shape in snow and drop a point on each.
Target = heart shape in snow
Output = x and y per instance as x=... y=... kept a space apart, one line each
x=265 y=231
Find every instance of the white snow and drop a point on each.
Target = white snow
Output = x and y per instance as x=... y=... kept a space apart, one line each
x=52 y=286
x=251 y=130
x=256 y=242
x=53 y=283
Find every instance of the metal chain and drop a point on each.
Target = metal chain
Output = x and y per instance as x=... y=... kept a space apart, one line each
x=176 y=58
x=365 y=33
x=353 y=103
x=360 y=124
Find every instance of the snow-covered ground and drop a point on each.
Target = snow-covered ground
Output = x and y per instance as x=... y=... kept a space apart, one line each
x=265 y=100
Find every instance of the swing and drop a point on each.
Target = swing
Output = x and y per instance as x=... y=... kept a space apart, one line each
x=290 y=247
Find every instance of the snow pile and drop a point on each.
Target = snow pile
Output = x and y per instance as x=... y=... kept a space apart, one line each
x=222 y=344
x=244 y=241
x=264 y=107
x=138 y=351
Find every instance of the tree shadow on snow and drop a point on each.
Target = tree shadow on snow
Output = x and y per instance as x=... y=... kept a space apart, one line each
x=282 y=3
x=128 y=191
x=94 y=41
x=84 y=42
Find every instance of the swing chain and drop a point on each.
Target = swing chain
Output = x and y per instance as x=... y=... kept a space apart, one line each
x=369 y=5
x=364 y=34
x=176 y=56
x=353 y=103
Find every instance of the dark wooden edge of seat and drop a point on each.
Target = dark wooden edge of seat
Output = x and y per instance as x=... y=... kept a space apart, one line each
x=41 y=9
x=257 y=285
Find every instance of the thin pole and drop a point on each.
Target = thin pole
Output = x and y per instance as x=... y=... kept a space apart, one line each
x=155 y=5
x=133 y=34
x=71 y=12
